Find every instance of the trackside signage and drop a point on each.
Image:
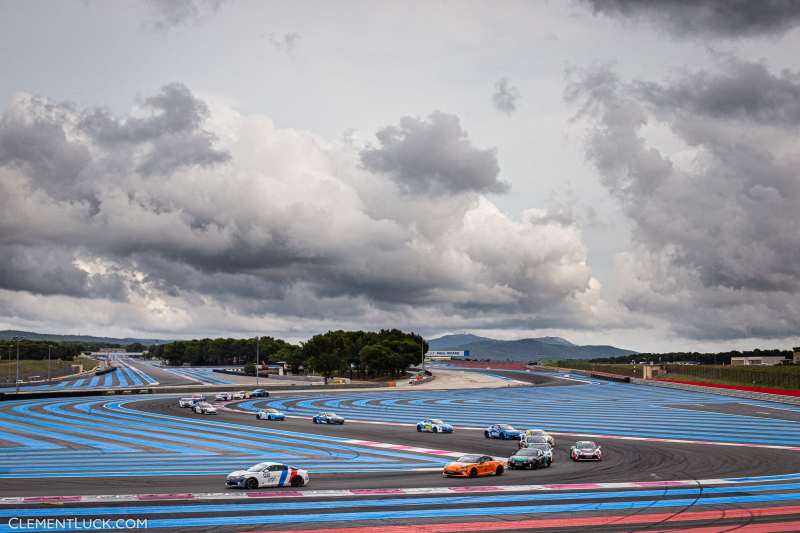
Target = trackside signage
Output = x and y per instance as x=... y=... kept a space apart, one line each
x=448 y=353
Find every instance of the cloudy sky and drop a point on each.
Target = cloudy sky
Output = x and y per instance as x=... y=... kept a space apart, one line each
x=621 y=172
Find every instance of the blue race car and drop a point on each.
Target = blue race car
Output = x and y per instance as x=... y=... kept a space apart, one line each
x=328 y=418
x=503 y=432
x=270 y=414
x=259 y=393
x=434 y=425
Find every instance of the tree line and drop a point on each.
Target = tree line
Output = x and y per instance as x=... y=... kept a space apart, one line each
x=387 y=352
x=719 y=358
x=37 y=350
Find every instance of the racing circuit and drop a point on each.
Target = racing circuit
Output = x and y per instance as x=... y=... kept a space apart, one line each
x=673 y=460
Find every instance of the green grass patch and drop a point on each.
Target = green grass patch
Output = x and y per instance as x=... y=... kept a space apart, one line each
x=38 y=367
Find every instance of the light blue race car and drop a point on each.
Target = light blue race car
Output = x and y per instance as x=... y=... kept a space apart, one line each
x=503 y=432
x=270 y=414
x=434 y=425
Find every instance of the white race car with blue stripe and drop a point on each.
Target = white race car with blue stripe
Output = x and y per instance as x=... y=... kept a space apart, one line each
x=267 y=475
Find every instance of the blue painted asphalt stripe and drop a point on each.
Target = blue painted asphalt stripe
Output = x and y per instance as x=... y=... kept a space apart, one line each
x=108 y=379
x=305 y=505
x=293 y=436
x=70 y=429
x=93 y=382
x=122 y=381
x=59 y=436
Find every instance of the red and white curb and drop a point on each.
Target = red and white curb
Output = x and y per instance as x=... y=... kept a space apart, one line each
x=349 y=493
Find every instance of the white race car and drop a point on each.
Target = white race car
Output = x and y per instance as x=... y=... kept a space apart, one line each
x=223 y=397
x=536 y=433
x=239 y=395
x=189 y=402
x=185 y=402
x=268 y=475
x=204 y=408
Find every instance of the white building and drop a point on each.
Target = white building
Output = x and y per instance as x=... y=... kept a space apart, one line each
x=764 y=360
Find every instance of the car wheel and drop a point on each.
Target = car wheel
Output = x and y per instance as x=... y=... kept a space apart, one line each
x=486 y=434
x=315 y=420
x=297 y=481
x=251 y=483
x=499 y=471
x=435 y=430
x=473 y=473
x=419 y=429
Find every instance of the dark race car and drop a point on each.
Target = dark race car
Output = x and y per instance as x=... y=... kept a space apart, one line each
x=528 y=458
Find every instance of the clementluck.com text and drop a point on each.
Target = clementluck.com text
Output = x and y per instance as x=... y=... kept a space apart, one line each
x=75 y=523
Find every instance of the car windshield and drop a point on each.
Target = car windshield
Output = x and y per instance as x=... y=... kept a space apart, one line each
x=505 y=426
x=536 y=439
x=469 y=459
x=585 y=445
x=529 y=452
x=258 y=467
x=436 y=421
x=539 y=446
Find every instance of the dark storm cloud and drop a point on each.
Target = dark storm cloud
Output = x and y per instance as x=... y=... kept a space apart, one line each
x=434 y=156
x=717 y=234
x=287 y=227
x=505 y=96
x=171 y=13
x=51 y=270
x=38 y=146
x=722 y=18
x=173 y=128
x=744 y=90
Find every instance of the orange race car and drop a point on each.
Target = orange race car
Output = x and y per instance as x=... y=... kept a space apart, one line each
x=474 y=466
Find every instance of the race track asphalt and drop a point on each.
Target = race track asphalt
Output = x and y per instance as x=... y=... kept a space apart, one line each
x=712 y=491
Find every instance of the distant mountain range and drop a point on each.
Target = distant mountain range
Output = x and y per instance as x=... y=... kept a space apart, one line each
x=535 y=349
x=30 y=335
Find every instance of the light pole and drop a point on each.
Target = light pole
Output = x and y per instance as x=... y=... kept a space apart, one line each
x=48 y=362
x=16 y=382
x=422 y=351
x=258 y=339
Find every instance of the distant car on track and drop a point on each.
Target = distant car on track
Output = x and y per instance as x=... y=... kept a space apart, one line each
x=223 y=396
x=586 y=450
x=538 y=433
x=259 y=393
x=189 y=402
x=204 y=408
x=328 y=418
x=270 y=414
x=540 y=443
x=240 y=395
x=473 y=466
x=434 y=425
x=527 y=458
x=185 y=402
x=267 y=475
x=502 y=432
